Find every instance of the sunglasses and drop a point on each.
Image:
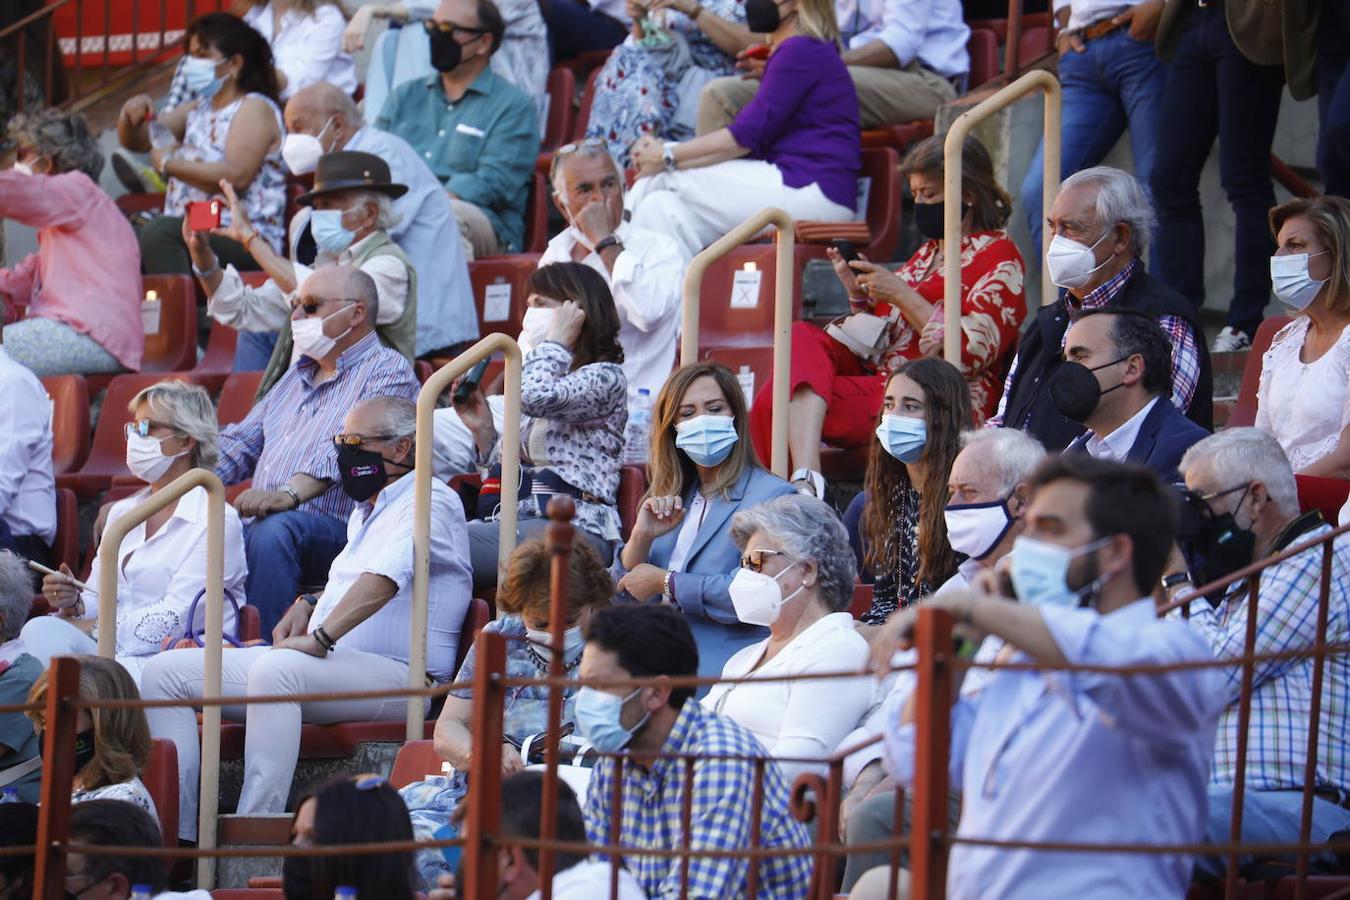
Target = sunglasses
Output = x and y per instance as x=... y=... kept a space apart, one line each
x=141 y=428
x=754 y=559
x=449 y=28
x=311 y=304
x=354 y=441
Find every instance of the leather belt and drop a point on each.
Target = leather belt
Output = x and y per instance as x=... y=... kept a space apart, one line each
x=1331 y=795
x=1100 y=29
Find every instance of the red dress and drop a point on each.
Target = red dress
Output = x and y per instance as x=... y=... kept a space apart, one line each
x=993 y=305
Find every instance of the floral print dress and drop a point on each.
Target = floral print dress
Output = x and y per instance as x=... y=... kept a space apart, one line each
x=654 y=90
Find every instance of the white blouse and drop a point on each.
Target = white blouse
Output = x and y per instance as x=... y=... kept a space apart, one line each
x=158 y=577
x=1305 y=406
x=308 y=48
x=133 y=791
x=803 y=719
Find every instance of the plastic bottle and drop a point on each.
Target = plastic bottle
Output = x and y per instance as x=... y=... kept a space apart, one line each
x=10 y=795
x=160 y=135
x=639 y=430
x=345 y=893
x=142 y=892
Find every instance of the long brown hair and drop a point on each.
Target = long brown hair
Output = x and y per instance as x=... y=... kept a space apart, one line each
x=946 y=414
x=669 y=470
x=121 y=736
x=599 y=338
x=990 y=204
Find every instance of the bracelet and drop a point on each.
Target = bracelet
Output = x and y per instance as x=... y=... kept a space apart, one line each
x=325 y=641
x=209 y=273
x=286 y=488
x=308 y=598
x=667 y=592
x=253 y=235
x=607 y=242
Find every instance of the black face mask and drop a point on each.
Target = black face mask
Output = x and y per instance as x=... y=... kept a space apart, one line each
x=84 y=747
x=1223 y=546
x=297 y=878
x=446 y=52
x=762 y=16
x=1075 y=391
x=928 y=218
x=363 y=473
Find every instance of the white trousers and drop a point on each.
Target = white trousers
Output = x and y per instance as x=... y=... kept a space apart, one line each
x=698 y=206
x=272 y=744
x=48 y=636
x=454 y=450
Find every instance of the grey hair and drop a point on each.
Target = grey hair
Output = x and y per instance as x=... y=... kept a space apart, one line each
x=1120 y=198
x=63 y=138
x=16 y=594
x=1240 y=455
x=584 y=151
x=361 y=286
x=809 y=530
x=398 y=415
x=1012 y=453
x=187 y=408
x=385 y=217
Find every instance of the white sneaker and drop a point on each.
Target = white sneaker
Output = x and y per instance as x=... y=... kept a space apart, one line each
x=1230 y=340
x=809 y=482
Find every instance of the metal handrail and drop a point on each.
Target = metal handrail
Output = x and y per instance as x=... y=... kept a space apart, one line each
x=113 y=535
x=782 y=312
x=422 y=475
x=951 y=218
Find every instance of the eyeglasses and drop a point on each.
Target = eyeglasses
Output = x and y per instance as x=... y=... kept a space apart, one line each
x=311 y=304
x=354 y=441
x=1214 y=495
x=141 y=428
x=449 y=28
x=754 y=559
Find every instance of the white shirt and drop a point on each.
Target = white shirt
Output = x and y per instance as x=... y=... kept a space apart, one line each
x=647 y=284
x=590 y=879
x=158 y=577
x=684 y=541
x=1305 y=406
x=133 y=791
x=803 y=719
x=379 y=542
x=267 y=308
x=1085 y=12
x=1092 y=758
x=27 y=489
x=1116 y=445
x=932 y=31
x=308 y=49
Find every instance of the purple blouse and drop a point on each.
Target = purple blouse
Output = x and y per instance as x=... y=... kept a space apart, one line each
x=804 y=119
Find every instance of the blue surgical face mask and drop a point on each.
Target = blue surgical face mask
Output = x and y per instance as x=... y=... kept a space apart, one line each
x=707 y=440
x=1040 y=572
x=1291 y=282
x=199 y=74
x=599 y=716
x=903 y=437
x=325 y=225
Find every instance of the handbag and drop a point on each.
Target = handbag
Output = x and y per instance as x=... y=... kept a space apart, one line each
x=864 y=334
x=193 y=637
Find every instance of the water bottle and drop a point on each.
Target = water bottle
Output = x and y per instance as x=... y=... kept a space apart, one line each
x=345 y=893
x=142 y=892
x=639 y=430
x=10 y=795
x=160 y=135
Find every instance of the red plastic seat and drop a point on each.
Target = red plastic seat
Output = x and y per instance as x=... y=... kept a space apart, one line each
x=880 y=166
x=632 y=485
x=478 y=615
x=536 y=214
x=236 y=397
x=172 y=347
x=1326 y=495
x=160 y=777
x=107 y=453
x=898 y=137
x=217 y=360
x=562 y=89
x=587 y=99
x=504 y=270
x=66 y=546
x=740 y=317
x=1000 y=26
x=250 y=624
x=70 y=421
x=1244 y=411
x=983 y=49
x=131 y=204
x=415 y=761
x=1034 y=43
x=862 y=600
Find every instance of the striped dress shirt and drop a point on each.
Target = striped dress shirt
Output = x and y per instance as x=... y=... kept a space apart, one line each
x=291 y=429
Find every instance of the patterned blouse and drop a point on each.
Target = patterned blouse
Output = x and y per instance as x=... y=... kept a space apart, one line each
x=993 y=305
x=898 y=586
x=582 y=415
x=204 y=141
x=133 y=791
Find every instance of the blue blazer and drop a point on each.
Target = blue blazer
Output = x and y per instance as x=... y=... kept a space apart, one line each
x=1163 y=439
x=701 y=589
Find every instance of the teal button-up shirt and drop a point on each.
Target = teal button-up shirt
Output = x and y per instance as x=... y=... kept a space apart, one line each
x=482 y=148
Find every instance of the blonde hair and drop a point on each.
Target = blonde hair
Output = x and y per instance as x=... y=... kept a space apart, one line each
x=121 y=736
x=1330 y=220
x=670 y=471
x=815 y=18
x=187 y=408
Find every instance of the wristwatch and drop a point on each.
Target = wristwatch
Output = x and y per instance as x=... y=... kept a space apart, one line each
x=290 y=492
x=607 y=242
x=668 y=154
x=1176 y=578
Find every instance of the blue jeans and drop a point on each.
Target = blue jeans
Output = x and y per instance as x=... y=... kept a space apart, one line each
x=284 y=551
x=1269 y=817
x=254 y=350
x=1333 y=98
x=1115 y=83
x=1214 y=91
x=574 y=29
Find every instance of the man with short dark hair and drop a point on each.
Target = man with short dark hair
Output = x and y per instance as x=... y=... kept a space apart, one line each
x=654 y=642
x=1116 y=380
x=113 y=823
x=477 y=133
x=1088 y=758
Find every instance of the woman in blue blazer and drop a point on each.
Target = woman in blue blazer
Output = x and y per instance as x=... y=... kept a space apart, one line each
x=702 y=469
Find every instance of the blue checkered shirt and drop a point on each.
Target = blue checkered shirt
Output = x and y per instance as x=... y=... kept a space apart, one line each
x=1282 y=689
x=719 y=819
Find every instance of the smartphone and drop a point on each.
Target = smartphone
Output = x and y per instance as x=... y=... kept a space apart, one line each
x=203 y=215
x=844 y=249
x=471 y=381
x=756 y=51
